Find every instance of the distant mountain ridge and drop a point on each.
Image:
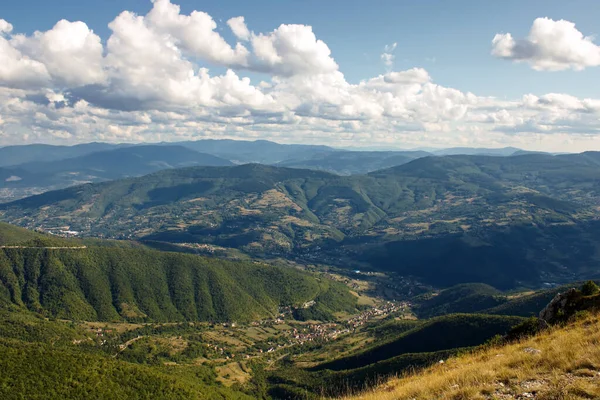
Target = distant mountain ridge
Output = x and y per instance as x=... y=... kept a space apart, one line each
x=115 y=163
x=15 y=155
x=355 y=162
x=92 y=162
x=472 y=151
x=124 y=162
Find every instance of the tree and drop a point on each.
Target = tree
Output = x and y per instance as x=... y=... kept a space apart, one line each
x=590 y=288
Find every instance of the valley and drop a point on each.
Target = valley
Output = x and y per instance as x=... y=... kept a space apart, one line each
x=468 y=208
x=299 y=200
x=271 y=282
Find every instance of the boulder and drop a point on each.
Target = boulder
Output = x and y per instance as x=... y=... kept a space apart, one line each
x=558 y=306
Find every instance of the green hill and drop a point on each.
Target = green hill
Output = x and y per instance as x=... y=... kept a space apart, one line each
x=44 y=359
x=464 y=298
x=504 y=221
x=530 y=304
x=38 y=371
x=441 y=333
x=12 y=235
x=72 y=280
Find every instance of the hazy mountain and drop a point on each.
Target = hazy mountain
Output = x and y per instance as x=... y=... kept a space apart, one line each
x=10 y=175
x=124 y=162
x=14 y=155
x=259 y=151
x=506 y=151
x=355 y=162
x=37 y=177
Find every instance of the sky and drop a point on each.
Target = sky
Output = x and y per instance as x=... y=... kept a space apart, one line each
x=383 y=74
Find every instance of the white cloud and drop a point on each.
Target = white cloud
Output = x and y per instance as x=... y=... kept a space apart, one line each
x=550 y=46
x=17 y=70
x=70 y=51
x=150 y=82
x=5 y=27
x=194 y=33
x=291 y=50
x=414 y=75
x=239 y=28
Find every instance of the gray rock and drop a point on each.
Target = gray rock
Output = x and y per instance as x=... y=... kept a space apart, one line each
x=558 y=303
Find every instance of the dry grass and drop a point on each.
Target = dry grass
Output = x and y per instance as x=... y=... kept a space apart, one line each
x=566 y=367
x=233 y=373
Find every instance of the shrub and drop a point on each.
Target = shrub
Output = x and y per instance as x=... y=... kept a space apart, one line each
x=590 y=288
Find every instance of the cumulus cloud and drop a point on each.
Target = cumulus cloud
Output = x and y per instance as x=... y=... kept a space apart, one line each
x=5 y=27
x=194 y=33
x=291 y=50
x=70 y=51
x=413 y=75
x=150 y=81
x=19 y=71
x=550 y=46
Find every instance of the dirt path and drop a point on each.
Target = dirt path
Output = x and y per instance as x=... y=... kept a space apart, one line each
x=46 y=248
x=128 y=343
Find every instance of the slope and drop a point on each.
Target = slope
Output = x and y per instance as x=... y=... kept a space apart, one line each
x=425 y=343
x=460 y=330
x=73 y=280
x=44 y=359
x=463 y=298
x=560 y=363
x=114 y=283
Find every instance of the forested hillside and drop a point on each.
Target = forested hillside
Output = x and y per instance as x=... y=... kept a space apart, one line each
x=459 y=330
x=110 y=284
x=505 y=221
x=81 y=280
x=44 y=359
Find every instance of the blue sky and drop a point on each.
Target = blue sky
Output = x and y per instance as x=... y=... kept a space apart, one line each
x=451 y=39
x=443 y=52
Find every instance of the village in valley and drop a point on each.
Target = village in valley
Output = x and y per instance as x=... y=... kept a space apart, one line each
x=231 y=346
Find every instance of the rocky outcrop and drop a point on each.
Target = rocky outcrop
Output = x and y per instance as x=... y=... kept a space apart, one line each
x=558 y=307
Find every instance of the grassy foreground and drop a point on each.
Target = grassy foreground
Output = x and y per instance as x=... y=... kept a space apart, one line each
x=560 y=363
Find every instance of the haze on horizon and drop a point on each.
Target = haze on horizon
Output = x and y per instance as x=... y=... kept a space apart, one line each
x=348 y=74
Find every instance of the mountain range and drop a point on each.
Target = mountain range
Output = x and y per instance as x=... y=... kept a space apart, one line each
x=37 y=168
x=505 y=221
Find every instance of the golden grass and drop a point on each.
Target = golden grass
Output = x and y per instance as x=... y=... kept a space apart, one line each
x=567 y=367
